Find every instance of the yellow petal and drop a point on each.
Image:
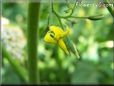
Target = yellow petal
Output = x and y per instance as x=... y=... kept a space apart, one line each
x=63 y=46
x=58 y=31
x=49 y=39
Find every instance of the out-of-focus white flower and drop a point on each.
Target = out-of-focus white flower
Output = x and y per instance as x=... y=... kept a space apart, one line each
x=108 y=44
x=12 y=38
x=4 y=21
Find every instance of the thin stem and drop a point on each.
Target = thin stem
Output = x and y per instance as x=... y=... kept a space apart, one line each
x=60 y=22
x=33 y=13
x=111 y=11
x=85 y=17
x=67 y=16
x=21 y=72
x=57 y=16
x=70 y=16
x=109 y=8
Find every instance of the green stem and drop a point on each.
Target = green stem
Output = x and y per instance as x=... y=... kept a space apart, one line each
x=16 y=65
x=85 y=17
x=111 y=10
x=58 y=16
x=97 y=17
x=33 y=14
x=67 y=16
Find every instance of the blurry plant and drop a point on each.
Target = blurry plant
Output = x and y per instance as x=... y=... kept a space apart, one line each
x=95 y=45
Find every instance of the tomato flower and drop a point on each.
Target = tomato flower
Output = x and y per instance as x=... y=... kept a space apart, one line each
x=56 y=35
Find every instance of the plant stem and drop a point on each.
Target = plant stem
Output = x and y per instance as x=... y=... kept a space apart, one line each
x=111 y=10
x=58 y=16
x=15 y=65
x=33 y=14
x=97 y=17
x=67 y=16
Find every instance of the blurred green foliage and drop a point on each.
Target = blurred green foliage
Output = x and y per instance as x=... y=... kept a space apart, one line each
x=94 y=40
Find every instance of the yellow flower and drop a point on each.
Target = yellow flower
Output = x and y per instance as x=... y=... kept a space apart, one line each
x=55 y=35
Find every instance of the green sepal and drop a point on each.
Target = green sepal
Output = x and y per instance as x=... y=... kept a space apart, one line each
x=71 y=48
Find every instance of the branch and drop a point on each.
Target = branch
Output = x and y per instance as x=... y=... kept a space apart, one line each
x=96 y=17
x=67 y=16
